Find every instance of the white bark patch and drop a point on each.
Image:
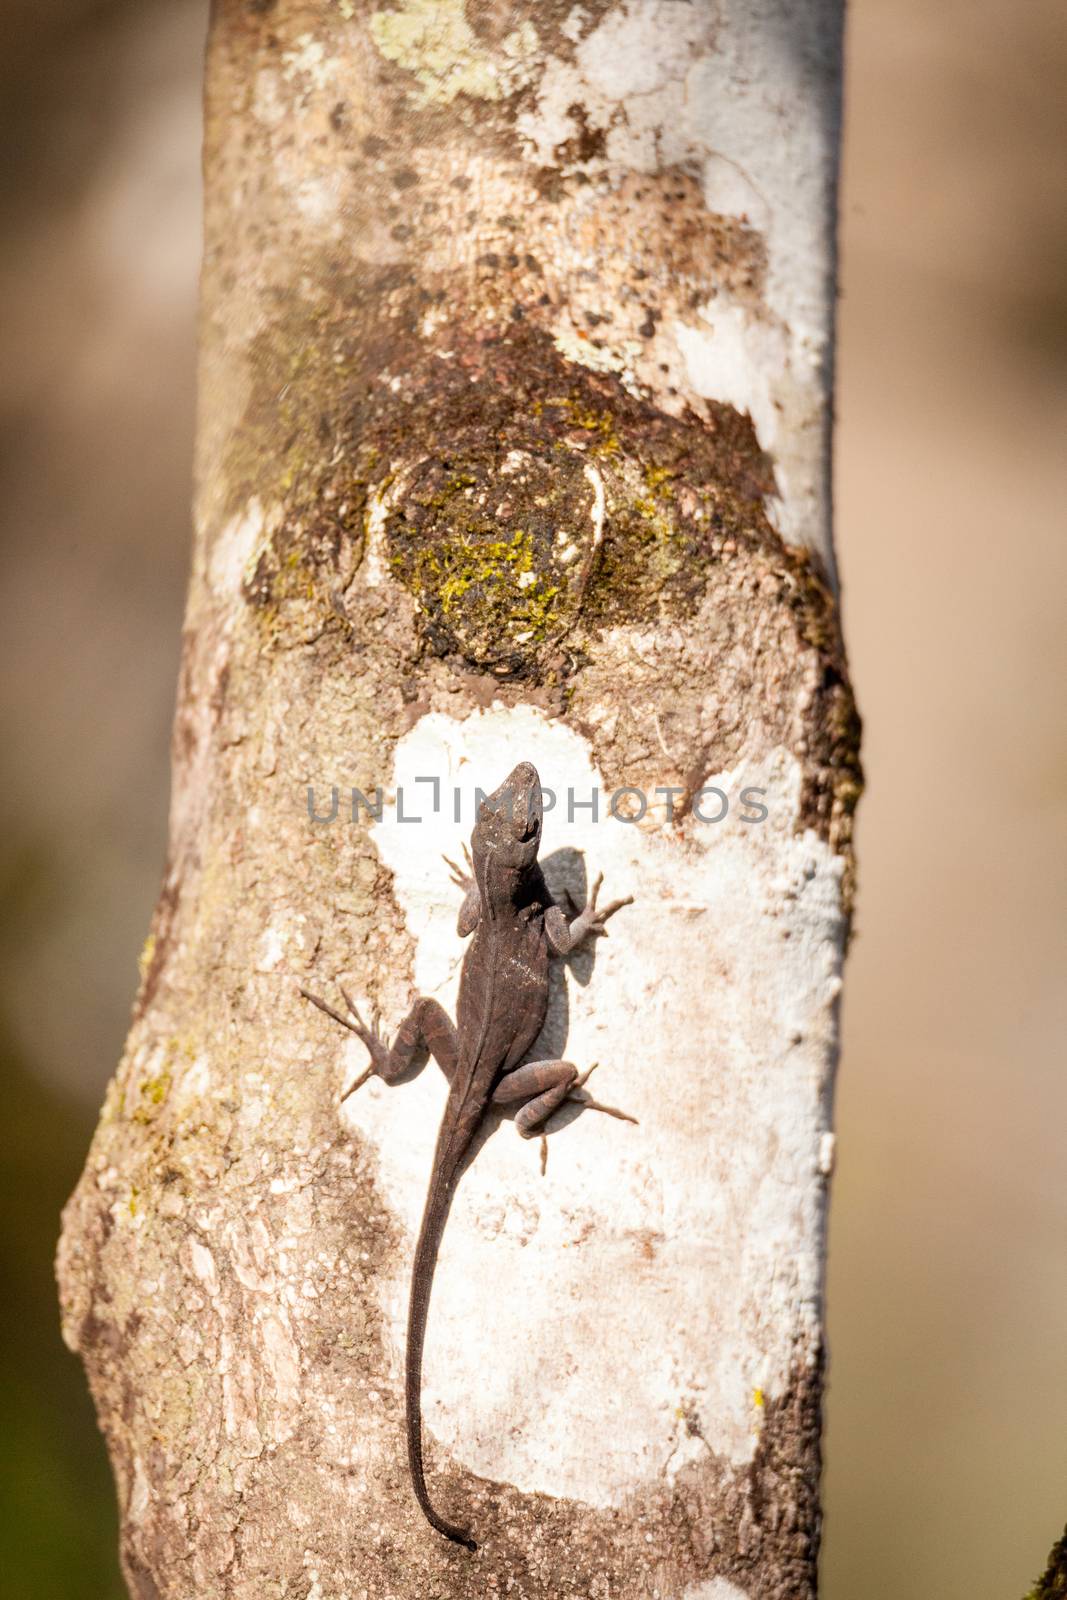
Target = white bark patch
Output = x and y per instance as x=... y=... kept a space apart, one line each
x=272 y=947
x=203 y=1265
x=251 y=1256
x=574 y=347
x=692 y=1238
x=643 y=48
x=627 y=76
x=749 y=107
x=282 y=1360
x=318 y=199
x=716 y=1589
x=140 y=1492
x=238 y=548
x=240 y=1406
x=596 y=482
x=308 y=62
x=719 y=360
x=727 y=92
x=374 y=571
x=268 y=103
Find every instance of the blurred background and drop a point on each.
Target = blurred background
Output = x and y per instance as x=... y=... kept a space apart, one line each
x=947 y=1426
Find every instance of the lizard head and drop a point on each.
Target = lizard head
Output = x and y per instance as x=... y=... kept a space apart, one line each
x=508 y=830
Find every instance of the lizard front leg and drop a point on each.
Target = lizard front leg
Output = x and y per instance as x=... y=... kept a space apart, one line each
x=426 y=1028
x=565 y=935
x=463 y=877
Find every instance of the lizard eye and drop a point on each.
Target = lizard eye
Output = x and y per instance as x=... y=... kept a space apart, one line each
x=525 y=824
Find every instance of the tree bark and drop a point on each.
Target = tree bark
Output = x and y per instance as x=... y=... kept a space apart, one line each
x=515 y=407
x=1053 y=1584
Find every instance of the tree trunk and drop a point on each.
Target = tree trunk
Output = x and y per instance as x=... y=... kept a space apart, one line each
x=515 y=401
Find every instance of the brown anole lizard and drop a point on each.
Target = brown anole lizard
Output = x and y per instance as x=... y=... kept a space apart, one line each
x=503 y=1000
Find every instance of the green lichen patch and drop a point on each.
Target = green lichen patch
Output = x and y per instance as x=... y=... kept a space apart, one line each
x=543 y=499
x=435 y=42
x=492 y=547
x=152 y=1095
x=299 y=446
x=155 y=1090
x=298 y=581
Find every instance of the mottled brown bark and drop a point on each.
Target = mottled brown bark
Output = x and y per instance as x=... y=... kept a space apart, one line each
x=453 y=457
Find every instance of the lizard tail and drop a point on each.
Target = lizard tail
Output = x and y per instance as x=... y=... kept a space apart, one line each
x=433 y=1223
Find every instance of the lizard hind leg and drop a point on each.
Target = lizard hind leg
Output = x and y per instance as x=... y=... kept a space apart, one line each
x=542 y=1086
x=426 y=1030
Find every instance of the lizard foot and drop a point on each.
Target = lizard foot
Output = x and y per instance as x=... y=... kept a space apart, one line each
x=370 y=1036
x=583 y=1099
x=591 y=919
x=460 y=877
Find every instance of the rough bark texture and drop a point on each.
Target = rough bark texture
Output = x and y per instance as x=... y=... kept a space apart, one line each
x=515 y=414
x=1053 y=1585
